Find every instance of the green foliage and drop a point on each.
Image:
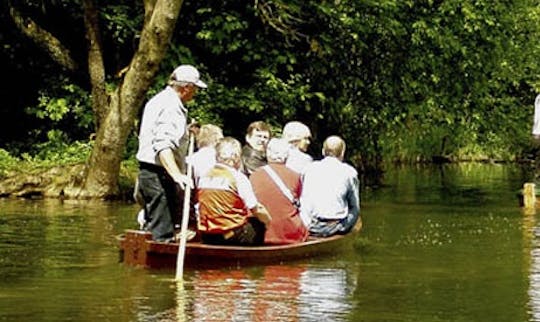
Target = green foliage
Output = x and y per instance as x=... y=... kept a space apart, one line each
x=402 y=80
x=132 y=145
x=399 y=80
x=129 y=169
x=224 y=30
x=66 y=105
x=122 y=22
x=57 y=151
x=7 y=162
x=462 y=65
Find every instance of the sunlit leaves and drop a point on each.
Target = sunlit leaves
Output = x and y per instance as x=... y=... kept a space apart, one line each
x=461 y=53
x=224 y=31
x=403 y=79
x=70 y=101
x=123 y=22
x=7 y=161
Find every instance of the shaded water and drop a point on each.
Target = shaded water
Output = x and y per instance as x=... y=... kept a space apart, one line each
x=438 y=244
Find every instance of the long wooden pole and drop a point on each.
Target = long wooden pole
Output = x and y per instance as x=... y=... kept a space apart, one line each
x=185 y=215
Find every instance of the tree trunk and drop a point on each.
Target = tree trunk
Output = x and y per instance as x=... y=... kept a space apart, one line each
x=101 y=179
x=104 y=164
x=114 y=114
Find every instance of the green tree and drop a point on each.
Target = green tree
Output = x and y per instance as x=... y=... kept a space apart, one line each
x=114 y=107
x=400 y=80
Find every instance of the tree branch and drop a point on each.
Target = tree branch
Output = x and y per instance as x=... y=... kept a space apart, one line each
x=44 y=40
x=96 y=67
x=160 y=21
x=281 y=17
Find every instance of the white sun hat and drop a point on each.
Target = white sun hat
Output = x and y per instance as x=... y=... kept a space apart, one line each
x=188 y=74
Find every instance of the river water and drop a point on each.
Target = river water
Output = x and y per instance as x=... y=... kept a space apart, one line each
x=445 y=243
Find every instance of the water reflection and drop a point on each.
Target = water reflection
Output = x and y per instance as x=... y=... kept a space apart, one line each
x=272 y=293
x=435 y=247
x=326 y=294
x=532 y=237
x=279 y=293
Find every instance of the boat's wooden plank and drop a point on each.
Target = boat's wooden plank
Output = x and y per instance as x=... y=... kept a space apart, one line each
x=138 y=249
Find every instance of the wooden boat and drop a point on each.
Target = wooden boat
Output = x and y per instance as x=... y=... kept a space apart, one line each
x=138 y=249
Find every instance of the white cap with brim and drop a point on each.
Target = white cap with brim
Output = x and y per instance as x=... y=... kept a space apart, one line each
x=188 y=74
x=294 y=131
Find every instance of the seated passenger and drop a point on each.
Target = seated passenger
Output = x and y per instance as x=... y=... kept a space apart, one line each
x=254 y=151
x=278 y=189
x=299 y=136
x=205 y=158
x=229 y=211
x=330 y=193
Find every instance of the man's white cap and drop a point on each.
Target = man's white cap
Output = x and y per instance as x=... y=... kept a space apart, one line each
x=188 y=74
x=294 y=131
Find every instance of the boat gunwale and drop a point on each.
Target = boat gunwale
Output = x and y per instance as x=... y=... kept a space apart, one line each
x=141 y=250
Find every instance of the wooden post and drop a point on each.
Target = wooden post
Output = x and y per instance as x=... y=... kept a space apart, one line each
x=529 y=196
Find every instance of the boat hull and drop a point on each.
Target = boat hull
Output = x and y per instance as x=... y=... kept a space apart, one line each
x=138 y=249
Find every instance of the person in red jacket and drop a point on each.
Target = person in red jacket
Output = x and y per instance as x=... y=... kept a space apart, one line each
x=278 y=189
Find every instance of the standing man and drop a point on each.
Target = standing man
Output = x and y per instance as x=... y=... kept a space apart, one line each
x=254 y=152
x=299 y=137
x=330 y=199
x=162 y=128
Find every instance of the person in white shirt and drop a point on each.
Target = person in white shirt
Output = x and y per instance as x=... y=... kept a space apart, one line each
x=163 y=127
x=205 y=158
x=330 y=200
x=299 y=137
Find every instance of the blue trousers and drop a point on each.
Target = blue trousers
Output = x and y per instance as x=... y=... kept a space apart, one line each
x=324 y=228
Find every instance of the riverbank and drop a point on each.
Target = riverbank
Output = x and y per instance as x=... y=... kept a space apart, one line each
x=26 y=180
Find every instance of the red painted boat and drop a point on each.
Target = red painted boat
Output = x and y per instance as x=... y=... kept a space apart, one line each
x=138 y=249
